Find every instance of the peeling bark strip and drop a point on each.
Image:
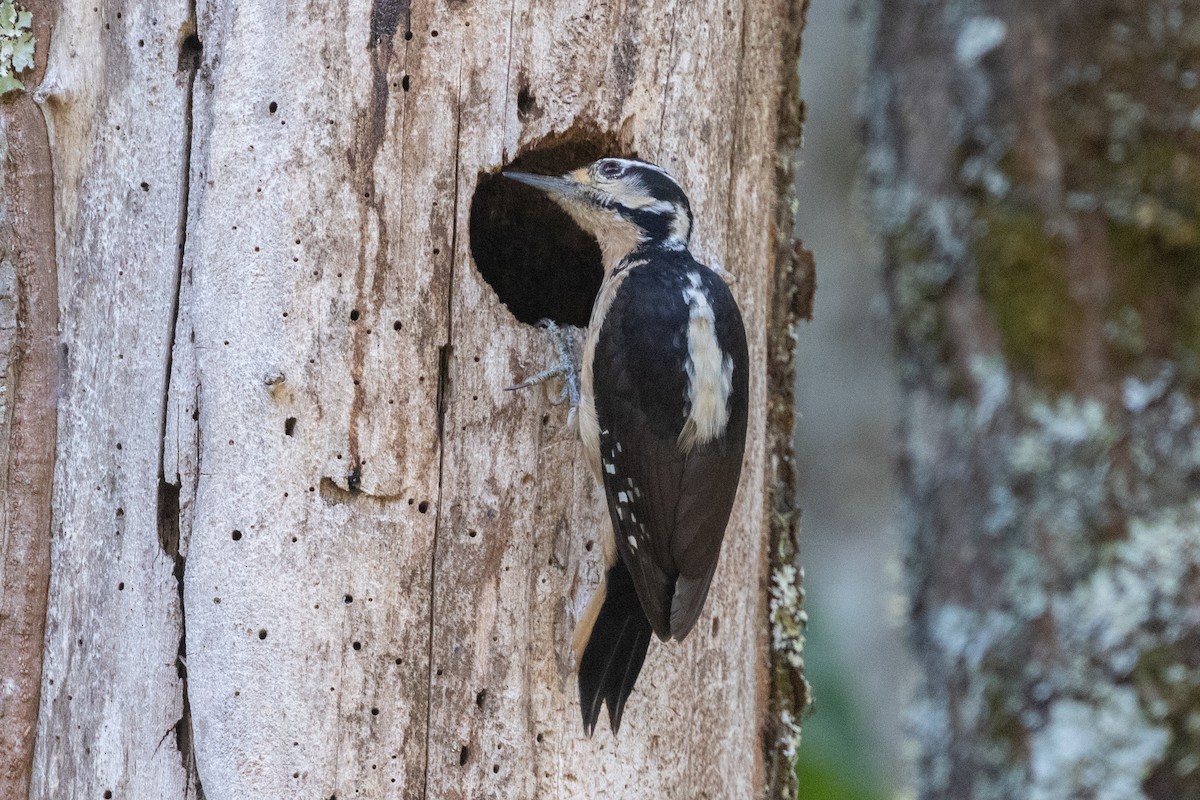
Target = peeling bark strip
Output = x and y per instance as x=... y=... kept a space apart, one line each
x=381 y=554
x=29 y=364
x=793 y=284
x=1038 y=182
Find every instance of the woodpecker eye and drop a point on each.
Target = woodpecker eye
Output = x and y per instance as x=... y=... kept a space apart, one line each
x=611 y=169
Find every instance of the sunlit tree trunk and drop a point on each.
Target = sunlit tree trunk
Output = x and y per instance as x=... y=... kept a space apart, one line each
x=1036 y=172
x=287 y=534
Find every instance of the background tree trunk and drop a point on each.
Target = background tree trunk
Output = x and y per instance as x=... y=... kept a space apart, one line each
x=304 y=544
x=1037 y=176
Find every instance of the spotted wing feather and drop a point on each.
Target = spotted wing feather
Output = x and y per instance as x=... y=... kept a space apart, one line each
x=669 y=509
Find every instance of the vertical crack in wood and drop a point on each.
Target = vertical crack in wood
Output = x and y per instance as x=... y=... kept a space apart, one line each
x=168 y=490
x=443 y=383
x=662 y=117
x=445 y=352
x=508 y=93
x=738 y=111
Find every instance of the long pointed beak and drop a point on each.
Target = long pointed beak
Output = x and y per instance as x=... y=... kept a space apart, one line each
x=551 y=185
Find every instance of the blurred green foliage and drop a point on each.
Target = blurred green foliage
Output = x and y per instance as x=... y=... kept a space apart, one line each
x=836 y=759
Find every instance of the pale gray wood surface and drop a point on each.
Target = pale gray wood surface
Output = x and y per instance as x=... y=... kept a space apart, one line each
x=383 y=552
x=111 y=691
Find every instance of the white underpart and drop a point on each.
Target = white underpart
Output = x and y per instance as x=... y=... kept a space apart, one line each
x=709 y=371
x=589 y=424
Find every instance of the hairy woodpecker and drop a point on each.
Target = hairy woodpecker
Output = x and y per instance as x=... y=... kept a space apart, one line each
x=662 y=416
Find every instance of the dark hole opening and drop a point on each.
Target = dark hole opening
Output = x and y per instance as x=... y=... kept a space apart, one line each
x=190 y=52
x=289 y=426
x=526 y=103
x=462 y=756
x=538 y=261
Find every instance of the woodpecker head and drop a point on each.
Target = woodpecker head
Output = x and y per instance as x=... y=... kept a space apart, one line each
x=625 y=204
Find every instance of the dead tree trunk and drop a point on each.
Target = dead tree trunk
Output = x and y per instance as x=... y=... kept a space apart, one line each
x=304 y=544
x=1037 y=176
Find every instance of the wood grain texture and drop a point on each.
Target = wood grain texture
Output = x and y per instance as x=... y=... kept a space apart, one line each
x=29 y=366
x=382 y=552
x=111 y=692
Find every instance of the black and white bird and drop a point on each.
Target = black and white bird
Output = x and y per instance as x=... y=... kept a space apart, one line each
x=662 y=405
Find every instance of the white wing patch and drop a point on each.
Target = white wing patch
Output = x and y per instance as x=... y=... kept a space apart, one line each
x=624 y=498
x=709 y=371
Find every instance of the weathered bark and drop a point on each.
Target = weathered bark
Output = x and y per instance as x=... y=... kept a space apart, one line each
x=28 y=379
x=1036 y=174
x=305 y=544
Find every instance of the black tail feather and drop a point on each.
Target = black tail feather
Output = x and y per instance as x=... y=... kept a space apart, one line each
x=615 y=651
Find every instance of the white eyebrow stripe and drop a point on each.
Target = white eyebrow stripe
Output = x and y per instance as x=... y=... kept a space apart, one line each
x=626 y=162
x=629 y=163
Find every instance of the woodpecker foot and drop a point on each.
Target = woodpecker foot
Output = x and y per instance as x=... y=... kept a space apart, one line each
x=567 y=366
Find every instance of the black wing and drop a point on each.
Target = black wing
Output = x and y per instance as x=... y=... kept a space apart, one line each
x=669 y=509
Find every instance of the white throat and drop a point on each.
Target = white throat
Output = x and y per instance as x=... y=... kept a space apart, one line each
x=617 y=236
